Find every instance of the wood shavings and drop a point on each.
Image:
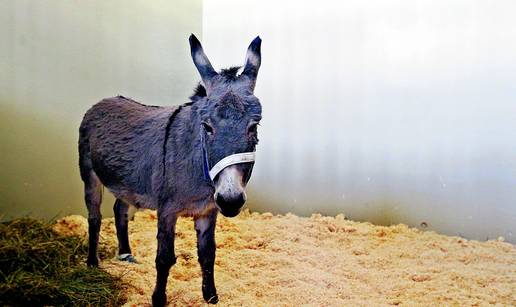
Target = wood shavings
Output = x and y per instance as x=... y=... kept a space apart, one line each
x=286 y=260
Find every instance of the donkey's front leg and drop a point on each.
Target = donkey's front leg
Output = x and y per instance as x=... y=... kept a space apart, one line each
x=205 y=228
x=165 y=257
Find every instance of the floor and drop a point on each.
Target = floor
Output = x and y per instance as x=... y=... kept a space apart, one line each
x=286 y=260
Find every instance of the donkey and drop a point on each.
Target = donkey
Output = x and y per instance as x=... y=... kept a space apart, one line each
x=191 y=160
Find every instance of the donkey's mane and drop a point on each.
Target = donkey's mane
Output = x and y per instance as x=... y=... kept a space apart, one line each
x=229 y=74
x=199 y=92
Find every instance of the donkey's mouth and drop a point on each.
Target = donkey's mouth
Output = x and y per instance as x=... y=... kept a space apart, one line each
x=230 y=213
x=230 y=207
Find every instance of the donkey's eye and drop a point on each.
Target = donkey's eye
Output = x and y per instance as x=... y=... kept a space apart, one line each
x=208 y=128
x=252 y=128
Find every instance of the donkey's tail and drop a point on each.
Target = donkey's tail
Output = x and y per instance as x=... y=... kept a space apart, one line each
x=85 y=164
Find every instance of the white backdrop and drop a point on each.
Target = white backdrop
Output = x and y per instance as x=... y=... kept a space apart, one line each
x=387 y=111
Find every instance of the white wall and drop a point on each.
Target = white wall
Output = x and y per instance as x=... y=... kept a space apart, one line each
x=57 y=58
x=388 y=111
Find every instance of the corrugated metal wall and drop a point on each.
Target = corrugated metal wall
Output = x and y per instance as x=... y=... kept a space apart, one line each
x=388 y=111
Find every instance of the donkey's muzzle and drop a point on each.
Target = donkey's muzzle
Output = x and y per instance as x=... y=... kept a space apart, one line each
x=230 y=205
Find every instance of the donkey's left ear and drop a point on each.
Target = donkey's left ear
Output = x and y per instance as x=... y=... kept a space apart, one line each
x=253 y=60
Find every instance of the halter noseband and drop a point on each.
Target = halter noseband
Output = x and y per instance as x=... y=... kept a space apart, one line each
x=210 y=174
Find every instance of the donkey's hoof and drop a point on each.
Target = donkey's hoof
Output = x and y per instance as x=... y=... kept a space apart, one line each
x=127 y=257
x=209 y=293
x=92 y=262
x=212 y=299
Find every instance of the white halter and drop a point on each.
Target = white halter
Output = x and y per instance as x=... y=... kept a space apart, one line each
x=244 y=157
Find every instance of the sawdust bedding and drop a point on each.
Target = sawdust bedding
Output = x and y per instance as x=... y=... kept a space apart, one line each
x=286 y=260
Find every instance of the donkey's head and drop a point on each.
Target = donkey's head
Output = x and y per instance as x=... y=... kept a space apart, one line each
x=229 y=114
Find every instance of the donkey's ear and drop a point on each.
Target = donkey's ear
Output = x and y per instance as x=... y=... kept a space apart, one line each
x=201 y=61
x=253 y=60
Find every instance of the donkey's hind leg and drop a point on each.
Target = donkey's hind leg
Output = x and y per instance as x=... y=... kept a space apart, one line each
x=122 y=221
x=93 y=198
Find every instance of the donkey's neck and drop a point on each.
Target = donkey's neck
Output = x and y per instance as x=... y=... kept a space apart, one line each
x=197 y=143
x=183 y=161
x=188 y=135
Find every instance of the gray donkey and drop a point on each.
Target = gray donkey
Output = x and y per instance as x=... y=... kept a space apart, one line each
x=190 y=160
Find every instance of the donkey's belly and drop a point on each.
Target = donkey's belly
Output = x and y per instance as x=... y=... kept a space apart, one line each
x=134 y=199
x=200 y=206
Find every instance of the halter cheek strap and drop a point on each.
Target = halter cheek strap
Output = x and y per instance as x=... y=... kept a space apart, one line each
x=210 y=174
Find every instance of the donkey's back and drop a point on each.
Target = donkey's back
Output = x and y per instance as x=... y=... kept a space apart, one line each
x=120 y=145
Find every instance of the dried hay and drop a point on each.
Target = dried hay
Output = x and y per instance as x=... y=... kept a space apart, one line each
x=41 y=267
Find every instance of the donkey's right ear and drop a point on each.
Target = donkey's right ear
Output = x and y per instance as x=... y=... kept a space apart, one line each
x=201 y=61
x=253 y=60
